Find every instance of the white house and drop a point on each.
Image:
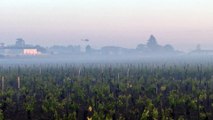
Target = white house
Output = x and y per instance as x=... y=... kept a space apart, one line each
x=30 y=52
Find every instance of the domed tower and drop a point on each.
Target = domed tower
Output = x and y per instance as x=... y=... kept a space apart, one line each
x=152 y=43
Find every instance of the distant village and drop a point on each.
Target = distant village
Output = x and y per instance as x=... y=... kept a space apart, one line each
x=20 y=48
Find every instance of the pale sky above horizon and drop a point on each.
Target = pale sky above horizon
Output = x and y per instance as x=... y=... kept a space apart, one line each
x=182 y=23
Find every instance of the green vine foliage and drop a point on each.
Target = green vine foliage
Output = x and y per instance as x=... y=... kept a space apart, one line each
x=124 y=91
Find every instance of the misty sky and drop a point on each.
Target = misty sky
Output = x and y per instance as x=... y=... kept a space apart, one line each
x=182 y=23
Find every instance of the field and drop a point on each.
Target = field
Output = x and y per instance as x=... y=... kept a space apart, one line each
x=140 y=91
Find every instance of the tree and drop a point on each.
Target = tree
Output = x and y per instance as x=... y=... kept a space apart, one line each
x=141 y=47
x=168 y=48
x=40 y=49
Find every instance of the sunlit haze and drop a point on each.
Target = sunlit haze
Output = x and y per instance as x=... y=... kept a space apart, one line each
x=126 y=23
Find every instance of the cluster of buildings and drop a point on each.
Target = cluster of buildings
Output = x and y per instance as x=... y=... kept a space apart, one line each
x=199 y=51
x=19 y=49
x=150 y=48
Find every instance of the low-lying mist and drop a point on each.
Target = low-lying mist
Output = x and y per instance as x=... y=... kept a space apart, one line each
x=109 y=59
